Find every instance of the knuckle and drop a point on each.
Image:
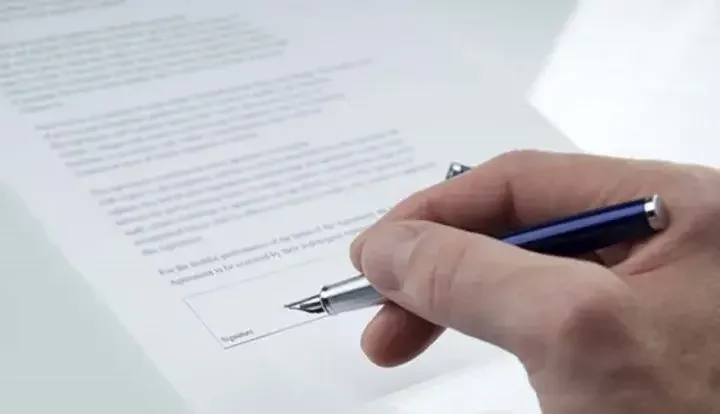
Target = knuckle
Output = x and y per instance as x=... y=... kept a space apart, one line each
x=435 y=264
x=595 y=324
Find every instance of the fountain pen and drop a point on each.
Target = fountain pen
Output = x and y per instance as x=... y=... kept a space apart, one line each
x=569 y=237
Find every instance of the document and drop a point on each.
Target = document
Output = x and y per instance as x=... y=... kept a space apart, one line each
x=203 y=163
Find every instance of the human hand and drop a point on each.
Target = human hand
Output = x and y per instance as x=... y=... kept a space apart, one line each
x=631 y=329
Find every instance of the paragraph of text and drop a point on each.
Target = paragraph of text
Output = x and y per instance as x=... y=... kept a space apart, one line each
x=176 y=127
x=173 y=210
x=39 y=74
x=275 y=248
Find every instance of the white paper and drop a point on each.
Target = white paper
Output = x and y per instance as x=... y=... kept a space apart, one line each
x=637 y=79
x=203 y=163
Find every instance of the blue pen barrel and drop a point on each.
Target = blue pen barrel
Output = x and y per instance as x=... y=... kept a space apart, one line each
x=572 y=236
x=592 y=230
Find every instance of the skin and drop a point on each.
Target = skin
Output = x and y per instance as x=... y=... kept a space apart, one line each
x=630 y=329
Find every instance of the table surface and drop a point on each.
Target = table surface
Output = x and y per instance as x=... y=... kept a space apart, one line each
x=61 y=369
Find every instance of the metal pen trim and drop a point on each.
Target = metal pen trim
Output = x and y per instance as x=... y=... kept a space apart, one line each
x=656 y=213
x=347 y=295
x=325 y=302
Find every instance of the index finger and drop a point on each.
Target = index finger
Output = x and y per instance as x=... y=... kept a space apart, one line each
x=522 y=188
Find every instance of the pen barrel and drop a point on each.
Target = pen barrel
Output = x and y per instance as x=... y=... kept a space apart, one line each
x=594 y=230
x=348 y=295
x=580 y=234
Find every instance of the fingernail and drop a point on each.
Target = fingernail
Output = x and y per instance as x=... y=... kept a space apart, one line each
x=386 y=253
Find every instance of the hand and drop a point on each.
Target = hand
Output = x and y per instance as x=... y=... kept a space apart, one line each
x=630 y=329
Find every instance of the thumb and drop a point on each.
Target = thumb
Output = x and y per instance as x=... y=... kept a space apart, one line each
x=518 y=300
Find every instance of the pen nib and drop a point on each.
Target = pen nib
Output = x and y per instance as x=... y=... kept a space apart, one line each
x=293 y=306
x=312 y=304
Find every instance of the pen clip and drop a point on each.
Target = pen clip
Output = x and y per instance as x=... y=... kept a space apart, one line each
x=456 y=169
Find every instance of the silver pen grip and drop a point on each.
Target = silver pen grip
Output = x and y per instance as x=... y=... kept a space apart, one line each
x=349 y=295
